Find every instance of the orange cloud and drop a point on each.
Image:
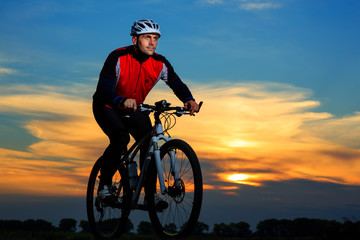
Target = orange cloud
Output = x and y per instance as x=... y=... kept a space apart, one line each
x=265 y=131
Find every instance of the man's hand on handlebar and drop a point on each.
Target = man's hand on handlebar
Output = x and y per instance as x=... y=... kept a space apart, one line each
x=130 y=104
x=191 y=106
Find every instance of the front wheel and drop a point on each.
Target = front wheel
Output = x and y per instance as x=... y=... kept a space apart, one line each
x=178 y=216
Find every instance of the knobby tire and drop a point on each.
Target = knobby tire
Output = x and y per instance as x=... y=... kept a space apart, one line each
x=184 y=203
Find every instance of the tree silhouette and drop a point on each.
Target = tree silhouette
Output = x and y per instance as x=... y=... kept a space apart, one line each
x=38 y=225
x=273 y=228
x=29 y=225
x=145 y=228
x=10 y=225
x=241 y=229
x=67 y=225
x=129 y=226
x=200 y=228
x=299 y=228
x=85 y=226
x=222 y=229
x=302 y=227
x=351 y=229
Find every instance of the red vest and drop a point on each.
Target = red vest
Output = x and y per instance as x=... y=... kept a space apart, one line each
x=135 y=79
x=127 y=74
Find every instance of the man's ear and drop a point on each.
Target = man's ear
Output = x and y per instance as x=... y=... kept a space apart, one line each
x=134 y=40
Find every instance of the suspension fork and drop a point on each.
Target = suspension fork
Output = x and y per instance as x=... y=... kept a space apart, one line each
x=174 y=168
x=155 y=139
x=159 y=169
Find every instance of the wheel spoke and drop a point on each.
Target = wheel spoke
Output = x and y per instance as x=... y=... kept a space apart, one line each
x=184 y=196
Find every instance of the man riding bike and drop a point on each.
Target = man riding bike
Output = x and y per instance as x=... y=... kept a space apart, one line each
x=128 y=75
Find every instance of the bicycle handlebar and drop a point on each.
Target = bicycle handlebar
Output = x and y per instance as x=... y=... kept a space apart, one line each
x=164 y=106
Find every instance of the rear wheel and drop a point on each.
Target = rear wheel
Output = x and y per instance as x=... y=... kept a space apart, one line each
x=108 y=219
x=178 y=216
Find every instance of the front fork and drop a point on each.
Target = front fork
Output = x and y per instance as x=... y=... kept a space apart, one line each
x=174 y=168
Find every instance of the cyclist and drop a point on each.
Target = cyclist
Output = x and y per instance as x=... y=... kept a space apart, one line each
x=128 y=74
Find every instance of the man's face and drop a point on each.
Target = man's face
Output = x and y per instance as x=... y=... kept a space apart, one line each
x=146 y=43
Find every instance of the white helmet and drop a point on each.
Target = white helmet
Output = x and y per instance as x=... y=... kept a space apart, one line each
x=145 y=26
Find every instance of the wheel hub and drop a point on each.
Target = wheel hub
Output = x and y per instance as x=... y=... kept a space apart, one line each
x=177 y=191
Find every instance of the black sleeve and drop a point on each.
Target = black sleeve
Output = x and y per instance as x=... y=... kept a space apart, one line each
x=105 y=92
x=180 y=89
x=174 y=82
x=107 y=82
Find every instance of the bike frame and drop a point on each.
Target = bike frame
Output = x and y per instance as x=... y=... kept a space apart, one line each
x=154 y=136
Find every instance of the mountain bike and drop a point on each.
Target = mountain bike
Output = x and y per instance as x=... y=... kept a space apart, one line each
x=170 y=176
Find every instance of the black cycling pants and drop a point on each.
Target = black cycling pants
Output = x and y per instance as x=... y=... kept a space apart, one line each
x=118 y=127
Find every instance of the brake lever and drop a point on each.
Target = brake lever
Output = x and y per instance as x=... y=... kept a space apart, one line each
x=200 y=104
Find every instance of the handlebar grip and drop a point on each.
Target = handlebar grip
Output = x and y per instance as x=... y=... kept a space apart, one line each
x=200 y=104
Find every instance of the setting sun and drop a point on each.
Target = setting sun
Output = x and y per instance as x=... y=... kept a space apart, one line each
x=240 y=143
x=241 y=178
x=238 y=177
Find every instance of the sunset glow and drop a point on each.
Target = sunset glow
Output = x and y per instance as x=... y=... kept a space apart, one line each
x=253 y=149
x=278 y=133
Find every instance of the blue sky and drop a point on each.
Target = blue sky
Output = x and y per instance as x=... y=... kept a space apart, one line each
x=279 y=79
x=307 y=44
